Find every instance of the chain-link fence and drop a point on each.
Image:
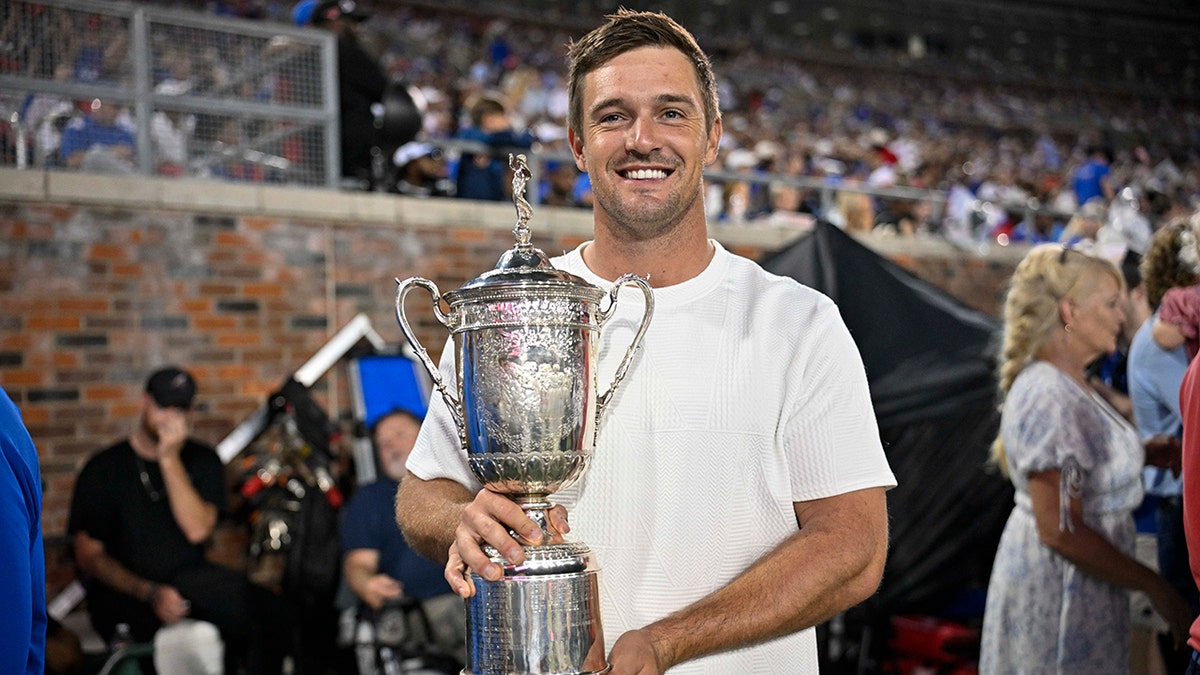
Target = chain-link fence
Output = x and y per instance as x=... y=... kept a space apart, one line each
x=125 y=88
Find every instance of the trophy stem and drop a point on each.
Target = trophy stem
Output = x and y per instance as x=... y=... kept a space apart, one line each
x=537 y=507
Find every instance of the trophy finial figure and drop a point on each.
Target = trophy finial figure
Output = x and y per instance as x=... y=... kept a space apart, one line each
x=521 y=175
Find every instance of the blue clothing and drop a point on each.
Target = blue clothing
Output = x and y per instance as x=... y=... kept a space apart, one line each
x=1155 y=375
x=22 y=560
x=490 y=181
x=369 y=522
x=80 y=135
x=1024 y=232
x=1088 y=180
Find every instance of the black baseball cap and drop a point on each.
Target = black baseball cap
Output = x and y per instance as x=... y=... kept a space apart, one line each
x=172 y=387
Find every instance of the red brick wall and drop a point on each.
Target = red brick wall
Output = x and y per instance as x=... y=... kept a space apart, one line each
x=93 y=298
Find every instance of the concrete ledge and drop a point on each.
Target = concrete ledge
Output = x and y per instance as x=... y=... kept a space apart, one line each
x=319 y=204
x=23 y=185
x=206 y=195
x=109 y=190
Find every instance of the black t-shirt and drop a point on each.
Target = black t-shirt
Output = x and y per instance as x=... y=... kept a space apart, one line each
x=133 y=518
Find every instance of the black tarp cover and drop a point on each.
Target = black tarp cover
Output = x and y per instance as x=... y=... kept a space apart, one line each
x=929 y=362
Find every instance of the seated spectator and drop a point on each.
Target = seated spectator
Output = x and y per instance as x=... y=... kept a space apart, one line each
x=140 y=516
x=421 y=171
x=486 y=175
x=1043 y=228
x=98 y=141
x=44 y=116
x=558 y=186
x=378 y=564
x=171 y=131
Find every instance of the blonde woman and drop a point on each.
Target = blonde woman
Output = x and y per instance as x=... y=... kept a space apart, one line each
x=1058 y=600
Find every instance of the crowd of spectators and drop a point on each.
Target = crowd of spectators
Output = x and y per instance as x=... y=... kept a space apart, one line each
x=989 y=160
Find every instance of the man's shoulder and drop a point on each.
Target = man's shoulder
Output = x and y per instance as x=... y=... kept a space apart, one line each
x=771 y=290
x=1145 y=354
x=112 y=453
x=199 y=451
x=106 y=463
x=372 y=498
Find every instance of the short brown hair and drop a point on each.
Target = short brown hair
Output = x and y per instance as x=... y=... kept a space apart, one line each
x=487 y=104
x=628 y=30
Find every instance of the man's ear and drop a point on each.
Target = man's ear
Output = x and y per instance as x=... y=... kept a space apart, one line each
x=577 y=150
x=713 y=143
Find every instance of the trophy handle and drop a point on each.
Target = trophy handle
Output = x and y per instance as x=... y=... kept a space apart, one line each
x=402 y=290
x=603 y=318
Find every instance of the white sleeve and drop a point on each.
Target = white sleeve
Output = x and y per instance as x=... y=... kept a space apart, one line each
x=830 y=435
x=438 y=453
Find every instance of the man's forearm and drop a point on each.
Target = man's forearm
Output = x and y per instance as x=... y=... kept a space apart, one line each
x=428 y=512
x=196 y=518
x=834 y=562
x=105 y=569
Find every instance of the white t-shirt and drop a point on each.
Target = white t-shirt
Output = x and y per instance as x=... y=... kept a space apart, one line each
x=747 y=395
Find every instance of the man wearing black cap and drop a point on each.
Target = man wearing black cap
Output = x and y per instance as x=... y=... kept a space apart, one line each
x=140 y=515
x=361 y=84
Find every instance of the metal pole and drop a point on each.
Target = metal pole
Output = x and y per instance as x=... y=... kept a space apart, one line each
x=140 y=43
x=333 y=127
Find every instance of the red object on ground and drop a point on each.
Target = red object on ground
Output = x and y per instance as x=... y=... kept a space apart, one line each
x=936 y=640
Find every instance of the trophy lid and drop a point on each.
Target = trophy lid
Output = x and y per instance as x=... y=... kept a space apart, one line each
x=525 y=265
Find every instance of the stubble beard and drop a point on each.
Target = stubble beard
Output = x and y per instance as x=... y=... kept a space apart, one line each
x=640 y=222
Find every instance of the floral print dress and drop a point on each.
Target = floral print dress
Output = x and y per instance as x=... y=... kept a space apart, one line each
x=1043 y=614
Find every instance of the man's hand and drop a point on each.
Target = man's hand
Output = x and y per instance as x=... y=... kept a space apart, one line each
x=1172 y=607
x=381 y=587
x=633 y=654
x=168 y=604
x=1164 y=451
x=171 y=426
x=488 y=519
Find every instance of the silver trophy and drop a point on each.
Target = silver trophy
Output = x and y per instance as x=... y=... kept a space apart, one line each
x=527 y=409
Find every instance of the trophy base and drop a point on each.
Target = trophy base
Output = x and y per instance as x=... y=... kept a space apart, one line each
x=542 y=618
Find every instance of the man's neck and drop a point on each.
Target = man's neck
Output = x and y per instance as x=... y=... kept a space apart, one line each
x=664 y=261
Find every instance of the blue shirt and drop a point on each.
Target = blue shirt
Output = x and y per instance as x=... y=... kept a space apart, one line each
x=83 y=134
x=22 y=560
x=1088 y=179
x=1155 y=375
x=369 y=522
x=489 y=181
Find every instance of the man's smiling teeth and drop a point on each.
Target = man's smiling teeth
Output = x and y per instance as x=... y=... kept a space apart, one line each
x=645 y=174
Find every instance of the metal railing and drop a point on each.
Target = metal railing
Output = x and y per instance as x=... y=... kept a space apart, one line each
x=192 y=94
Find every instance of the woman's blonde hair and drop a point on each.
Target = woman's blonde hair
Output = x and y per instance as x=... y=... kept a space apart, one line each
x=1048 y=274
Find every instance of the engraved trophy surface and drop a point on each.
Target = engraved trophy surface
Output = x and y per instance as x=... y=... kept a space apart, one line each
x=527 y=409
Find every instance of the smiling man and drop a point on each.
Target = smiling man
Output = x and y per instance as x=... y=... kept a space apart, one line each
x=736 y=497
